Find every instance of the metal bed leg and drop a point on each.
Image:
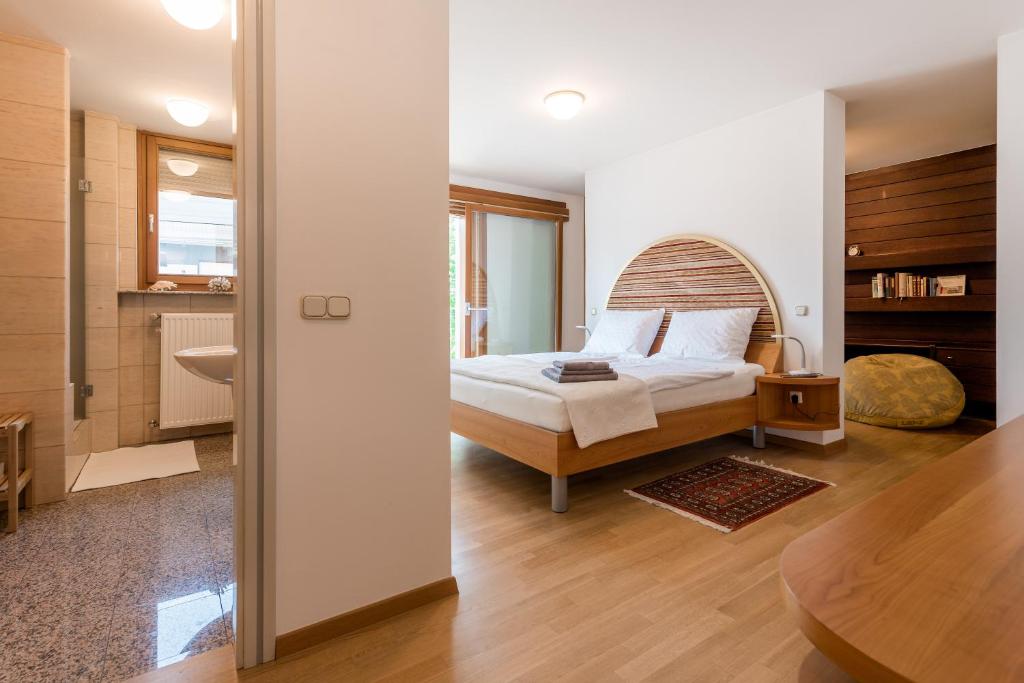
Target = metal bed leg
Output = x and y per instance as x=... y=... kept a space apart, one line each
x=559 y=494
x=758 y=436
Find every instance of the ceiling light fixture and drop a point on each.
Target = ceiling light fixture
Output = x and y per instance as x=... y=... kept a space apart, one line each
x=195 y=14
x=182 y=167
x=187 y=112
x=564 y=104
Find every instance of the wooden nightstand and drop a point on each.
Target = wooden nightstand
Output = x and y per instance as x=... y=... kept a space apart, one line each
x=818 y=411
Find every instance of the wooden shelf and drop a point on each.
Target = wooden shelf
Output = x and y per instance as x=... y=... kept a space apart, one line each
x=969 y=302
x=930 y=257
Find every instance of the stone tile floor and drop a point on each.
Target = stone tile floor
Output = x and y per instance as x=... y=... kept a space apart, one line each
x=118 y=581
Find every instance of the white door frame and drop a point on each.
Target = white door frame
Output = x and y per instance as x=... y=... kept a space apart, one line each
x=254 y=391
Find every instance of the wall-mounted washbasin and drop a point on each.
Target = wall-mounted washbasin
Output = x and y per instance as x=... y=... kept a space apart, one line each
x=213 y=363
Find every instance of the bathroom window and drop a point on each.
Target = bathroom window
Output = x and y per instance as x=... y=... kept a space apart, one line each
x=187 y=211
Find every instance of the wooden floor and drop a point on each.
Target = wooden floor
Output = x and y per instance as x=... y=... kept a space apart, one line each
x=615 y=589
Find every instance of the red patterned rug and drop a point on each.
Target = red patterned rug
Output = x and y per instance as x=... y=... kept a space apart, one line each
x=728 y=493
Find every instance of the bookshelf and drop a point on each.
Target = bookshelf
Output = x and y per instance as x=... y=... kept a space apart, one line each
x=931 y=217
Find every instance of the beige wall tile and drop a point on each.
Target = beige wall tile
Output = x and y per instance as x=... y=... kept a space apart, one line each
x=127 y=270
x=131 y=426
x=101 y=348
x=49 y=477
x=51 y=401
x=33 y=133
x=31 y=305
x=151 y=384
x=103 y=176
x=104 y=431
x=126 y=145
x=32 y=248
x=100 y=306
x=212 y=303
x=127 y=228
x=165 y=303
x=130 y=379
x=152 y=412
x=126 y=189
x=101 y=264
x=100 y=137
x=104 y=391
x=151 y=346
x=131 y=310
x=33 y=191
x=100 y=223
x=129 y=346
x=33 y=76
x=32 y=362
x=206 y=430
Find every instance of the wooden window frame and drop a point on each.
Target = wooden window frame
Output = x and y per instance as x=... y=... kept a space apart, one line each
x=147 y=148
x=465 y=201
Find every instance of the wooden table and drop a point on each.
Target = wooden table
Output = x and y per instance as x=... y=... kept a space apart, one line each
x=925 y=581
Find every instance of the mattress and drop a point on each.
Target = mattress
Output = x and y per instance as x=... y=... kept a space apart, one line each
x=548 y=411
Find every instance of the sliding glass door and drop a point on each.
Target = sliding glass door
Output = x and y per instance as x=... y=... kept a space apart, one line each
x=512 y=282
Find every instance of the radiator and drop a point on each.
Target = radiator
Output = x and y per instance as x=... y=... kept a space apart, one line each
x=184 y=398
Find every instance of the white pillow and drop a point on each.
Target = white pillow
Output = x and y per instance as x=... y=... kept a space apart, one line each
x=625 y=332
x=716 y=334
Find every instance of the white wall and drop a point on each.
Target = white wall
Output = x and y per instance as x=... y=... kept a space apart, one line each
x=573 y=251
x=771 y=185
x=362 y=450
x=1010 y=229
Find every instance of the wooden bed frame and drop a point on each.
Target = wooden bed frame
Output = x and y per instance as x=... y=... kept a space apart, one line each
x=683 y=273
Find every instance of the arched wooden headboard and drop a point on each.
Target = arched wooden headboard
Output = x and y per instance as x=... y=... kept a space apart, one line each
x=690 y=273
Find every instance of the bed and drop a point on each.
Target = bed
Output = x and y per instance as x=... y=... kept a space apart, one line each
x=684 y=273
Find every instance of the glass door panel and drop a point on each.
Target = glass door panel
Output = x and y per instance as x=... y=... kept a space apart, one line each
x=511 y=283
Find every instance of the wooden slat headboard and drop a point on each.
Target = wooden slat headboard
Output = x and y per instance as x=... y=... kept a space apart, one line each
x=691 y=273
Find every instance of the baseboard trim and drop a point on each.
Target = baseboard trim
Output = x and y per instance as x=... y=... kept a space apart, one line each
x=807 y=446
x=789 y=442
x=322 y=631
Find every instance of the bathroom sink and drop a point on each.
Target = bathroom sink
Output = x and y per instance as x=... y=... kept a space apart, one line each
x=214 y=363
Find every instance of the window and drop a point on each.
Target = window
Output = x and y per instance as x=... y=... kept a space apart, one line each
x=187 y=211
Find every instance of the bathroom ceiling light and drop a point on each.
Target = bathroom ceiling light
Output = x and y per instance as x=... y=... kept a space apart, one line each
x=175 y=195
x=196 y=14
x=182 y=167
x=187 y=112
x=564 y=104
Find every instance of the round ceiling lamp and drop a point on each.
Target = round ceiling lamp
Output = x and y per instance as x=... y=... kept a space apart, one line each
x=195 y=14
x=182 y=167
x=564 y=104
x=187 y=112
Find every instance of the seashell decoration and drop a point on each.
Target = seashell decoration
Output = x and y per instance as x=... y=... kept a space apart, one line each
x=219 y=284
x=163 y=286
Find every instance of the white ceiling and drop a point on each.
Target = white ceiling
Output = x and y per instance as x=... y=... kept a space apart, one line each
x=918 y=75
x=655 y=71
x=128 y=57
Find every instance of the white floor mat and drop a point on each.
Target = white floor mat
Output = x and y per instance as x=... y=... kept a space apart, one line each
x=125 y=465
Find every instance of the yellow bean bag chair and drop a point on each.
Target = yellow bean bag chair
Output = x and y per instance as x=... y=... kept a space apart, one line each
x=901 y=390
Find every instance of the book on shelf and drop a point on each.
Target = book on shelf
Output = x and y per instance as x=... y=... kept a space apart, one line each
x=909 y=285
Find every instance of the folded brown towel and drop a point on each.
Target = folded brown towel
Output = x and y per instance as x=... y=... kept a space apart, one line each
x=555 y=375
x=585 y=365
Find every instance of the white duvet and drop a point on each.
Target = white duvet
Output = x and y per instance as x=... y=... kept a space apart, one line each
x=598 y=410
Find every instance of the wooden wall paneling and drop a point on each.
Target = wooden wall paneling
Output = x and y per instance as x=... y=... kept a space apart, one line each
x=930 y=217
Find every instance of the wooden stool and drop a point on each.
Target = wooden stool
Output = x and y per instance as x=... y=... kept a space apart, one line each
x=11 y=426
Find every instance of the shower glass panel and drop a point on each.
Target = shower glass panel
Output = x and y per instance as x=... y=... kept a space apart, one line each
x=512 y=282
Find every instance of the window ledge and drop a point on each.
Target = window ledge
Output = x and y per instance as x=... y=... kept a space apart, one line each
x=176 y=291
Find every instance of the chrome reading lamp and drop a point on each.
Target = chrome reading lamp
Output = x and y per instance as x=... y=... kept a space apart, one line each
x=803 y=371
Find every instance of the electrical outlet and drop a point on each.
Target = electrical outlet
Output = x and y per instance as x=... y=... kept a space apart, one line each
x=796 y=397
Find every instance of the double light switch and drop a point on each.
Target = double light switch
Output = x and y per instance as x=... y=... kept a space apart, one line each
x=317 y=307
